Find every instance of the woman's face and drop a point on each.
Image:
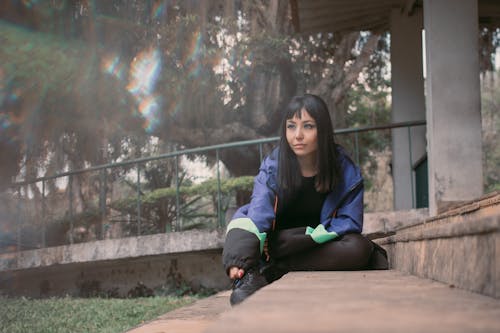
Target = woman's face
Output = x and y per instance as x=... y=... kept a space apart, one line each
x=302 y=135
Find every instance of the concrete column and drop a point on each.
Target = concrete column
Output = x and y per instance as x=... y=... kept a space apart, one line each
x=453 y=102
x=408 y=103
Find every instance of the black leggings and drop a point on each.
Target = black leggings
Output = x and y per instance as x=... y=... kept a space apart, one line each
x=295 y=251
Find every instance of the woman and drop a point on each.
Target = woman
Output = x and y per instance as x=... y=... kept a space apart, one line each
x=306 y=209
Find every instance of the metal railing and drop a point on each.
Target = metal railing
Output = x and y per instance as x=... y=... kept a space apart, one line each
x=175 y=155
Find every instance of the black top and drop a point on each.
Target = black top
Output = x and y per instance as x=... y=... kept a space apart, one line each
x=302 y=209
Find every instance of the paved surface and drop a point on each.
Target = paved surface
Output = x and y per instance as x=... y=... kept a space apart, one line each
x=365 y=301
x=194 y=318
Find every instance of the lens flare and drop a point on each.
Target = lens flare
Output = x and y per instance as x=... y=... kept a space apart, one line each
x=150 y=110
x=194 y=48
x=4 y=122
x=193 y=61
x=114 y=66
x=144 y=72
x=29 y=3
x=158 y=10
x=11 y=115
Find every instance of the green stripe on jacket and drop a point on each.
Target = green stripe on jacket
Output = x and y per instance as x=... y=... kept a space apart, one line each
x=248 y=225
x=320 y=235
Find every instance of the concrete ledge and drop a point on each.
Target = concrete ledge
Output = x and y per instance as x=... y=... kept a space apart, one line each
x=460 y=247
x=193 y=318
x=195 y=270
x=376 y=225
x=363 y=301
x=113 y=249
x=382 y=224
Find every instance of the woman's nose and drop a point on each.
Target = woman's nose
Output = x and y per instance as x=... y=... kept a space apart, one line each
x=298 y=133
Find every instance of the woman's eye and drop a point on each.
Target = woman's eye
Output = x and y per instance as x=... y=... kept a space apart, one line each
x=309 y=126
x=290 y=126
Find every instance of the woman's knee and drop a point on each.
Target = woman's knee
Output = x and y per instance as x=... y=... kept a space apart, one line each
x=351 y=252
x=359 y=248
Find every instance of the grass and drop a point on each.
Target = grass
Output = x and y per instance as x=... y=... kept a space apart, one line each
x=89 y=315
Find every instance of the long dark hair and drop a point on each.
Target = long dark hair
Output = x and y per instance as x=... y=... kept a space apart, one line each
x=289 y=176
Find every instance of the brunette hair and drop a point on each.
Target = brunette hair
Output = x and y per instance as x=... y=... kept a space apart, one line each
x=289 y=176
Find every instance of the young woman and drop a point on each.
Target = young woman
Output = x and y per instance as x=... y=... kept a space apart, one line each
x=306 y=209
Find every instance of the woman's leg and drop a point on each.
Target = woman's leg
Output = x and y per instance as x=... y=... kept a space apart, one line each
x=242 y=252
x=293 y=250
x=350 y=252
x=284 y=243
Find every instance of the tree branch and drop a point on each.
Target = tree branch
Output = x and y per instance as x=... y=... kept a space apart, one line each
x=190 y=137
x=353 y=71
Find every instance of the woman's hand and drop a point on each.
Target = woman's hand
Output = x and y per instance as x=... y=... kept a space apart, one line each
x=236 y=273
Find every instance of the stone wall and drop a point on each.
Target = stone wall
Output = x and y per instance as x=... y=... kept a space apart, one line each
x=161 y=274
x=183 y=261
x=460 y=247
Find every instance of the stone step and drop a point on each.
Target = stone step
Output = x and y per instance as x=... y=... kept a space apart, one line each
x=194 y=318
x=459 y=247
x=361 y=301
x=317 y=302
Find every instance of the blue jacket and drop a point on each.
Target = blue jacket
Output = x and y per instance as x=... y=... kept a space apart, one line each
x=342 y=211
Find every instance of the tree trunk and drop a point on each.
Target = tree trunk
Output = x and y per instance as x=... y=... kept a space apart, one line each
x=340 y=77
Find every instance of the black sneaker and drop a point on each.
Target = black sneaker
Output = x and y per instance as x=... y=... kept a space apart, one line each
x=246 y=286
x=273 y=270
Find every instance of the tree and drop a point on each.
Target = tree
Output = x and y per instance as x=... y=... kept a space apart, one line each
x=490 y=106
x=199 y=96
x=91 y=82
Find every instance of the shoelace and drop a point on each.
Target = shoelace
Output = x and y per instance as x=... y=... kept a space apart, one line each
x=237 y=283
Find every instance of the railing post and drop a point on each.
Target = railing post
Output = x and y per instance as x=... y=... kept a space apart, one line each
x=178 y=220
x=219 y=217
x=102 y=199
x=18 y=224
x=260 y=152
x=70 y=198
x=138 y=184
x=26 y=219
x=411 y=169
x=356 y=147
x=44 y=226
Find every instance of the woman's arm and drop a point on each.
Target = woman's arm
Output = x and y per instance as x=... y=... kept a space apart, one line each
x=247 y=231
x=347 y=218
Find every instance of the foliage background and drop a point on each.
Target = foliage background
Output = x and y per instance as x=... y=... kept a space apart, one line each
x=84 y=83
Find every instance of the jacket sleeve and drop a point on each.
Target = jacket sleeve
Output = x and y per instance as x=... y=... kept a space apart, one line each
x=347 y=218
x=247 y=231
x=261 y=207
x=287 y=242
x=241 y=248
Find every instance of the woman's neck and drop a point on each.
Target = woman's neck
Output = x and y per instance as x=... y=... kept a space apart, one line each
x=307 y=165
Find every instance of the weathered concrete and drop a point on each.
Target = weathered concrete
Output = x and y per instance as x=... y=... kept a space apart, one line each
x=383 y=224
x=112 y=249
x=364 y=301
x=408 y=102
x=453 y=108
x=460 y=247
x=419 y=245
x=158 y=274
x=194 y=318
x=116 y=266
x=191 y=259
x=375 y=225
